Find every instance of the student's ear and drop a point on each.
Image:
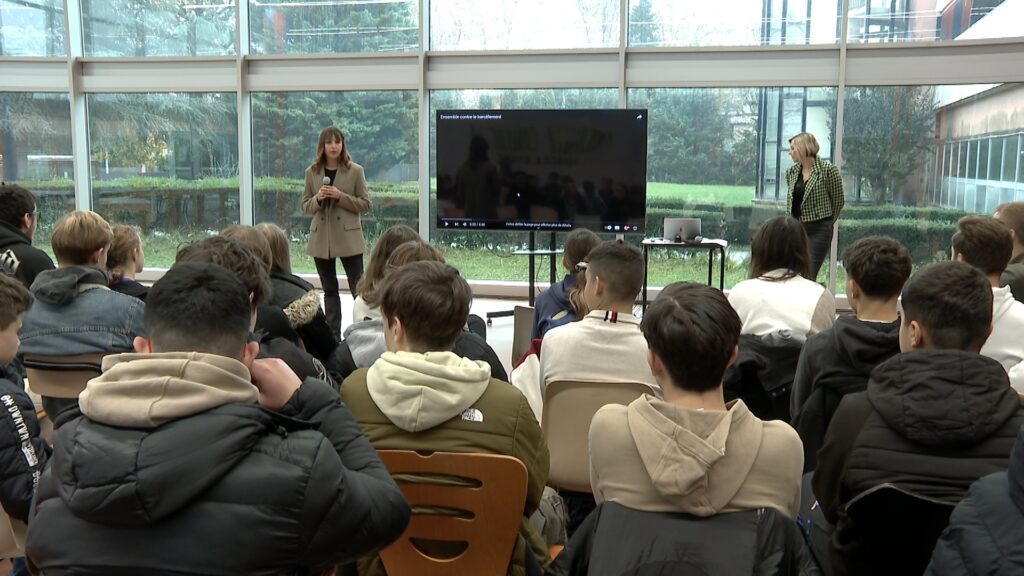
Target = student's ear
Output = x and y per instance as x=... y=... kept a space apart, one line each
x=918 y=335
x=99 y=257
x=249 y=353
x=394 y=334
x=142 y=345
x=657 y=368
x=599 y=286
x=732 y=356
x=26 y=222
x=957 y=257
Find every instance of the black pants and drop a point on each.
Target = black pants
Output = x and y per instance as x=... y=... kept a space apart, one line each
x=819 y=241
x=328 y=271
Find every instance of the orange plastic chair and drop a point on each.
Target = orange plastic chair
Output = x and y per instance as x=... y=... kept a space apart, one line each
x=493 y=501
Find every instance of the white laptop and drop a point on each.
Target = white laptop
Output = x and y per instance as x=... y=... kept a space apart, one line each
x=685 y=228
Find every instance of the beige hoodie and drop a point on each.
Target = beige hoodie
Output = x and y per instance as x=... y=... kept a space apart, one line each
x=419 y=391
x=147 y=390
x=656 y=456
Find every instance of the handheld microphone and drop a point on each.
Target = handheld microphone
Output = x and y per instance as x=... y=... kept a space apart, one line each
x=327 y=182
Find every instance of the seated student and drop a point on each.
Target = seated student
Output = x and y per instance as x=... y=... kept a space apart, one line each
x=933 y=419
x=252 y=271
x=986 y=244
x=984 y=531
x=606 y=345
x=417 y=395
x=692 y=452
x=125 y=260
x=391 y=238
x=839 y=360
x=1012 y=214
x=555 y=306
x=296 y=297
x=23 y=453
x=74 y=312
x=19 y=216
x=778 y=296
x=192 y=457
x=364 y=341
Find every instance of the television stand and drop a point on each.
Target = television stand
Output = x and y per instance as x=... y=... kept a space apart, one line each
x=532 y=253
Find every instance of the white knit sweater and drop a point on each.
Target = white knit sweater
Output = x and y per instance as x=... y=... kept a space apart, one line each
x=796 y=304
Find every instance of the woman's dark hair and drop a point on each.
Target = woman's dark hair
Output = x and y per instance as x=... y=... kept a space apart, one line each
x=780 y=243
x=405 y=253
x=391 y=238
x=126 y=240
x=578 y=245
x=330 y=134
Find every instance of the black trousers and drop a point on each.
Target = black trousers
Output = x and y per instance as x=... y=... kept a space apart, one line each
x=328 y=270
x=819 y=241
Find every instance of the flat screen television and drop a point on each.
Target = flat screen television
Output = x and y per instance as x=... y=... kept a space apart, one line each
x=547 y=170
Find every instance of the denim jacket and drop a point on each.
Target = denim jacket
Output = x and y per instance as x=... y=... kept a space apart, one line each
x=75 y=313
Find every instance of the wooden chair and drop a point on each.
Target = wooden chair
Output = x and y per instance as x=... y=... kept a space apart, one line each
x=569 y=406
x=492 y=491
x=522 y=327
x=59 y=380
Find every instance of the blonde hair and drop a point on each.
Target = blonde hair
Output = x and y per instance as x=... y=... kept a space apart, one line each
x=280 y=256
x=78 y=235
x=334 y=133
x=126 y=240
x=806 y=144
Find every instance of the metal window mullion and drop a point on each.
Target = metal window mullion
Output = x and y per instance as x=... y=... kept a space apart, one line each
x=423 y=123
x=623 y=44
x=243 y=108
x=73 y=29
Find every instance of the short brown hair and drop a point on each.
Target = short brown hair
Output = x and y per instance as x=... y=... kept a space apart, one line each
x=620 y=266
x=953 y=302
x=15 y=202
x=432 y=302
x=15 y=299
x=806 y=144
x=984 y=242
x=405 y=253
x=280 y=251
x=125 y=240
x=252 y=238
x=1012 y=214
x=879 y=265
x=391 y=238
x=238 y=258
x=78 y=235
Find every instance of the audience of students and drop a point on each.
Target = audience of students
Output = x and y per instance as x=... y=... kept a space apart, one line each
x=419 y=395
x=606 y=345
x=984 y=531
x=190 y=456
x=23 y=453
x=391 y=238
x=74 y=311
x=779 y=295
x=563 y=302
x=19 y=216
x=692 y=452
x=839 y=360
x=1012 y=214
x=126 y=259
x=986 y=244
x=933 y=419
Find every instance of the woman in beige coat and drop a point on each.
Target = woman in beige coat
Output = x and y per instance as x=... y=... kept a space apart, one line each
x=335 y=195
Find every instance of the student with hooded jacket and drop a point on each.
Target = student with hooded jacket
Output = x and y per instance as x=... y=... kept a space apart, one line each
x=933 y=419
x=192 y=457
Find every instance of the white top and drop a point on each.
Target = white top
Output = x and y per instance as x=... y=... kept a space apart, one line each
x=602 y=347
x=1006 y=343
x=796 y=304
x=361 y=311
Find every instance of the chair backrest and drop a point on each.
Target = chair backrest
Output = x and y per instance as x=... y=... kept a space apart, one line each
x=61 y=376
x=897 y=530
x=490 y=487
x=569 y=406
x=522 y=328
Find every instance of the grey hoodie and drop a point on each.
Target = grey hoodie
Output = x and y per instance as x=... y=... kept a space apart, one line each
x=657 y=456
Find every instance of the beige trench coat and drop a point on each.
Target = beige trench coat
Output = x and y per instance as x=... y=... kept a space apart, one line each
x=336 y=230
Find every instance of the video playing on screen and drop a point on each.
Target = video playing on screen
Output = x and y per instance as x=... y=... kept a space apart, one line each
x=542 y=170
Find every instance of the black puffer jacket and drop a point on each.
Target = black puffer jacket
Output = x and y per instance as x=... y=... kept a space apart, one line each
x=233 y=490
x=23 y=453
x=301 y=305
x=834 y=363
x=19 y=258
x=619 y=541
x=931 y=422
x=984 y=533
